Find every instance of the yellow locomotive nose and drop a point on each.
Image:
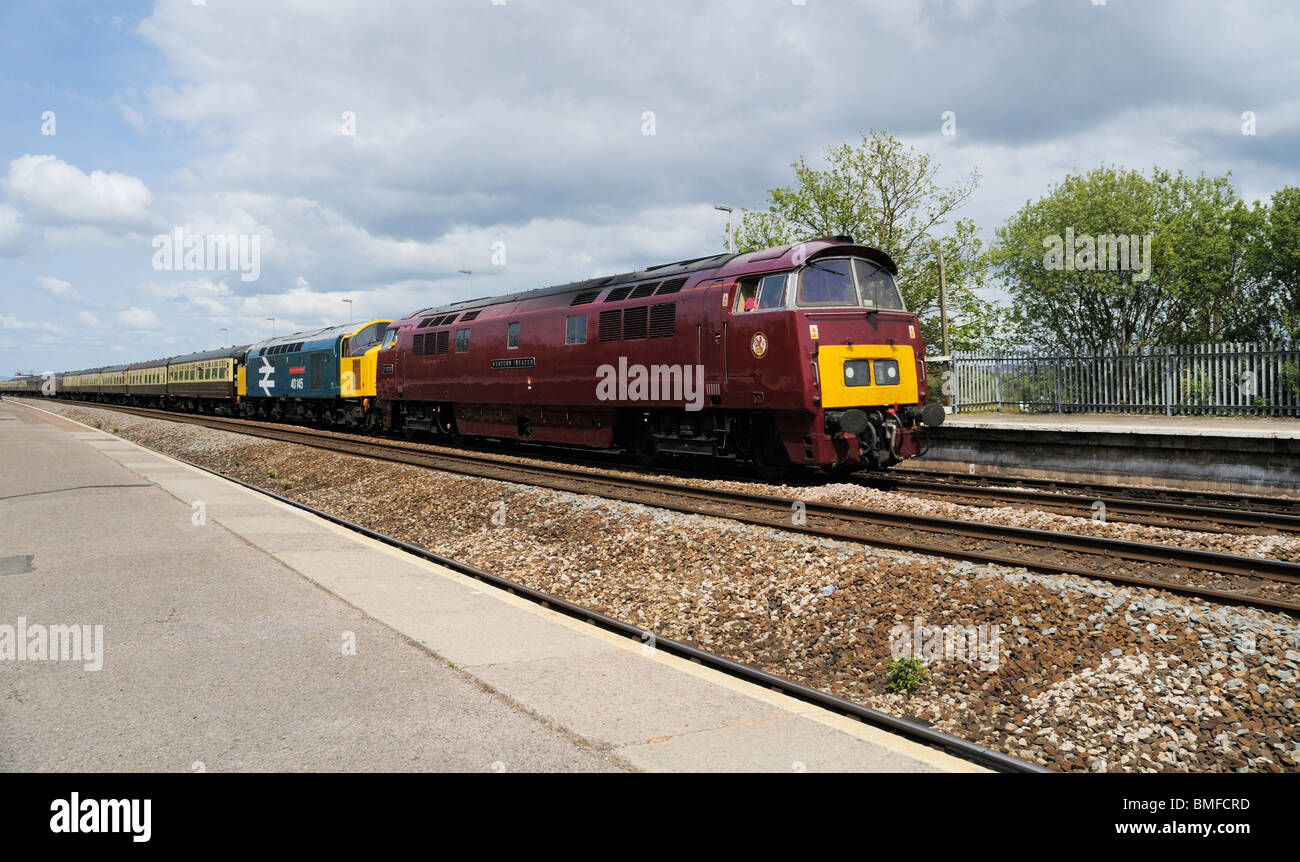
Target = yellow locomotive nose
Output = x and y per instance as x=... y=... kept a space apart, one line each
x=867 y=375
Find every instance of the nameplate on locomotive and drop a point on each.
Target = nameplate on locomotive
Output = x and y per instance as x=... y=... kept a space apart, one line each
x=521 y=362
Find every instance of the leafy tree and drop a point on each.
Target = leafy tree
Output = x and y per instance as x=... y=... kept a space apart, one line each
x=1192 y=285
x=885 y=194
x=1274 y=260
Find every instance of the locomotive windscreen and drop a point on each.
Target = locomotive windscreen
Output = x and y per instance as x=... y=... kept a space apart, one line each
x=877 y=286
x=839 y=284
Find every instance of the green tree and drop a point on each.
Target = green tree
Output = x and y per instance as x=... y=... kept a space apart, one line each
x=885 y=194
x=1189 y=282
x=1274 y=260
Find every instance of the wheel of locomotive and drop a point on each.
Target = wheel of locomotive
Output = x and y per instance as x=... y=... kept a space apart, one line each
x=445 y=420
x=767 y=452
x=644 y=448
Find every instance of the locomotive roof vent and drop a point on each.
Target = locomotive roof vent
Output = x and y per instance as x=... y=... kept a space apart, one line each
x=585 y=297
x=670 y=286
x=468 y=316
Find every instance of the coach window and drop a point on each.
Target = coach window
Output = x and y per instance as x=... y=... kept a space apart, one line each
x=575 y=329
x=512 y=336
x=462 y=340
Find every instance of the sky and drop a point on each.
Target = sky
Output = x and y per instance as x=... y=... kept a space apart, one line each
x=371 y=150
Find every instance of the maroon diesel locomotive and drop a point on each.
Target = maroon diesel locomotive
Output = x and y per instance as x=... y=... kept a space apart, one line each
x=798 y=355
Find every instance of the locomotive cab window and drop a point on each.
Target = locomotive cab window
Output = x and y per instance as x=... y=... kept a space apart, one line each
x=746 y=296
x=771 y=292
x=575 y=329
x=844 y=283
x=877 y=287
x=826 y=284
x=390 y=338
x=512 y=336
x=366 y=339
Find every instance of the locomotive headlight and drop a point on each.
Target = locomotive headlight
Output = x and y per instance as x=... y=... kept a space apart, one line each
x=886 y=372
x=857 y=372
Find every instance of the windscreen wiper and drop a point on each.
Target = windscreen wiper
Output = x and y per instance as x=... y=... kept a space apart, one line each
x=814 y=263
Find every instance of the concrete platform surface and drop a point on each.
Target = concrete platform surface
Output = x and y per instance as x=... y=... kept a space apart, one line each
x=245 y=634
x=1134 y=423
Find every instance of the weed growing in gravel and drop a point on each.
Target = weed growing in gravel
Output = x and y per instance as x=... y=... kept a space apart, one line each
x=270 y=472
x=286 y=485
x=905 y=673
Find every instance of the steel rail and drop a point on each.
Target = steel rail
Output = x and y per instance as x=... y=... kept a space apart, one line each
x=561 y=478
x=1210 y=501
x=1123 y=509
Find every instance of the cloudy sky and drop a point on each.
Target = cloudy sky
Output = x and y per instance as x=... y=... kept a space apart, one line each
x=375 y=148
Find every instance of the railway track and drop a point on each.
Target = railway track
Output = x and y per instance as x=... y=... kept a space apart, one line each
x=1251 y=581
x=1180 y=509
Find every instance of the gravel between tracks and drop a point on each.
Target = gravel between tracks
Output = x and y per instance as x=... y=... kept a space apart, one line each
x=1074 y=673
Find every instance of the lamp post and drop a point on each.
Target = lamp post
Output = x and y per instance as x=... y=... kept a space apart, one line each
x=731 y=237
x=349 y=302
x=470 y=273
x=225 y=333
x=272 y=319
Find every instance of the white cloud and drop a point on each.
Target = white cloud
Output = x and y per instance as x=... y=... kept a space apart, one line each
x=52 y=191
x=138 y=318
x=89 y=320
x=8 y=321
x=10 y=225
x=56 y=286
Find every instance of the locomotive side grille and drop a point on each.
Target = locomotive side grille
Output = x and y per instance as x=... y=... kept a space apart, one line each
x=417 y=344
x=643 y=290
x=440 y=346
x=663 y=320
x=468 y=316
x=611 y=325
x=585 y=297
x=618 y=294
x=671 y=286
x=634 y=322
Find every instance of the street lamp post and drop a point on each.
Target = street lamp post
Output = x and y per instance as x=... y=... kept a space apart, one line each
x=225 y=334
x=731 y=237
x=272 y=319
x=470 y=273
x=349 y=302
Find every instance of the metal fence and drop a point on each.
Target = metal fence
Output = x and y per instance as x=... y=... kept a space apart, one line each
x=1259 y=379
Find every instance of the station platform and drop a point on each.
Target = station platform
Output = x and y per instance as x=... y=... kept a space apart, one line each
x=243 y=634
x=1135 y=423
x=1250 y=455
